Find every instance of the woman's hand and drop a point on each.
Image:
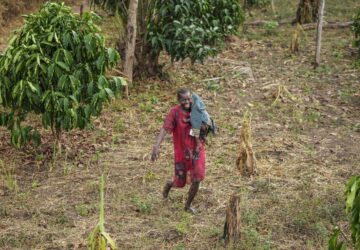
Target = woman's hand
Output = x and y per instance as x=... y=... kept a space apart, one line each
x=197 y=149
x=197 y=152
x=155 y=153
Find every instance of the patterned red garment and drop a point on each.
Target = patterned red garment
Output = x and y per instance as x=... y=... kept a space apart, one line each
x=178 y=123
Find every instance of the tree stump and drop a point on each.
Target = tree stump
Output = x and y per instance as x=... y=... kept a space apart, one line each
x=232 y=223
x=246 y=161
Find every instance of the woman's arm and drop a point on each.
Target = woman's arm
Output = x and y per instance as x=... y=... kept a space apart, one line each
x=156 y=147
x=197 y=148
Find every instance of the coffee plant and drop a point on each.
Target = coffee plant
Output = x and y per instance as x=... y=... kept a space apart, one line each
x=192 y=28
x=55 y=67
x=183 y=28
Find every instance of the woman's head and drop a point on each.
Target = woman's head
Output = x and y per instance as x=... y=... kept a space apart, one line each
x=184 y=98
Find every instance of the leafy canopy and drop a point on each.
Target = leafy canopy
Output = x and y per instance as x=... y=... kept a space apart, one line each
x=183 y=28
x=55 y=66
x=192 y=28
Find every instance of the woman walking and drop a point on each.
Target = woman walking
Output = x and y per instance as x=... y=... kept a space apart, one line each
x=189 y=152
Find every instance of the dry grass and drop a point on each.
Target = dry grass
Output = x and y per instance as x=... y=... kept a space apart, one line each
x=305 y=144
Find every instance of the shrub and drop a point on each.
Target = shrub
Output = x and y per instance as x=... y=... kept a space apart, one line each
x=353 y=211
x=192 y=28
x=271 y=26
x=353 y=208
x=55 y=67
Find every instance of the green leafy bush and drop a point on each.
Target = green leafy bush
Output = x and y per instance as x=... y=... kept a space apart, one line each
x=356 y=29
x=55 y=66
x=353 y=210
x=271 y=27
x=192 y=28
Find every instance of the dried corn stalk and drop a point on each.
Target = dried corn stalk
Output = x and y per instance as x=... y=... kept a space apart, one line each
x=296 y=38
x=246 y=162
x=232 y=223
x=281 y=93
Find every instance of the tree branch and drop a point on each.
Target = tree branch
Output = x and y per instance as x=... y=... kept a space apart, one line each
x=309 y=26
x=337 y=25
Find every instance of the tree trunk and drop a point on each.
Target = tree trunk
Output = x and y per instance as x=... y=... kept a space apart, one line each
x=307 y=11
x=130 y=43
x=83 y=6
x=232 y=223
x=319 y=32
x=246 y=162
x=273 y=7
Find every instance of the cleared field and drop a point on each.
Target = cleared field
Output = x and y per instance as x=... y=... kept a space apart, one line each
x=306 y=144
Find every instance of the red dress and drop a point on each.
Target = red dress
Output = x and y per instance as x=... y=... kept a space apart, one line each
x=177 y=122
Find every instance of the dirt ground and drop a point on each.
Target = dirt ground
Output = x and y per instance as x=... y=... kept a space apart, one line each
x=306 y=129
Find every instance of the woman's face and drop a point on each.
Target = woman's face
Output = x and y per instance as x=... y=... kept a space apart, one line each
x=185 y=101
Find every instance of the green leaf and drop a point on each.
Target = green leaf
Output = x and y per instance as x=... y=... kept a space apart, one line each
x=351 y=193
x=333 y=242
x=63 y=65
x=100 y=62
x=17 y=55
x=62 y=86
x=19 y=67
x=109 y=240
x=36 y=138
x=112 y=54
x=103 y=82
x=73 y=98
x=68 y=57
x=74 y=82
x=32 y=87
x=50 y=72
x=110 y=93
x=66 y=103
x=50 y=37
